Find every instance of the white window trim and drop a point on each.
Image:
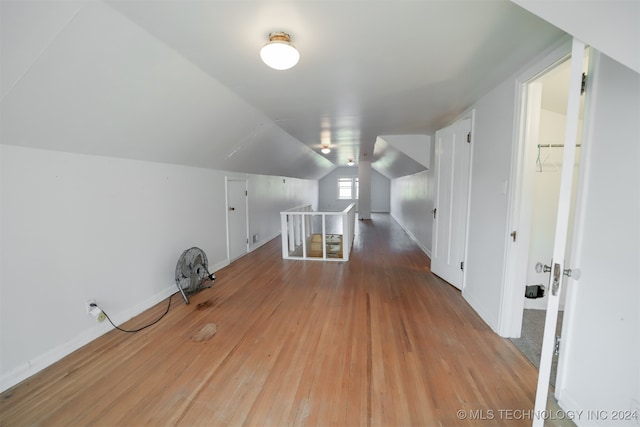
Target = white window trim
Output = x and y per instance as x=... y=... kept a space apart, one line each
x=353 y=187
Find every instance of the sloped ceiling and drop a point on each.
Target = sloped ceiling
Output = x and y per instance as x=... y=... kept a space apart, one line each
x=401 y=155
x=181 y=81
x=610 y=26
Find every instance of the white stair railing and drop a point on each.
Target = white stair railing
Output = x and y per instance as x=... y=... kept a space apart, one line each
x=323 y=236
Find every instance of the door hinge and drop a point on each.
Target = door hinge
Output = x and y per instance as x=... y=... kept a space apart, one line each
x=462 y=266
x=469 y=137
x=246 y=193
x=434 y=212
x=556 y=346
x=513 y=235
x=247 y=240
x=583 y=83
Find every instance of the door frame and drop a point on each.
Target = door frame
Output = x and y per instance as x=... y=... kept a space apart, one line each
x=472 y=116
x=518 y=219
x=228 y=179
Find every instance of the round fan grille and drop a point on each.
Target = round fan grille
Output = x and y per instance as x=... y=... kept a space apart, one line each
x=191 y=270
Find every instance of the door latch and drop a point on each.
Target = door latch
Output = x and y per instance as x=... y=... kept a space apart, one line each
x=557 y=275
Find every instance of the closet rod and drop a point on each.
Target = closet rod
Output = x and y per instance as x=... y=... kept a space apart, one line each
x=554 y=145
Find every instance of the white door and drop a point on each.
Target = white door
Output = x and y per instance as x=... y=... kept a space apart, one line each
x=556 y=266
x=237 y=234
x=452 y=153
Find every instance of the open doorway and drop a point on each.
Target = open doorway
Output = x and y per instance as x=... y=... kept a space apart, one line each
x=544 y=107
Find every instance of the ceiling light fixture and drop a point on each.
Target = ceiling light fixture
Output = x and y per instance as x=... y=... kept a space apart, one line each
x=350 y=163
x=325 y=149
x=279 y=53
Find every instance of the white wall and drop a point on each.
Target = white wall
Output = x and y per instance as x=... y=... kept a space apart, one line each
x=270 y=195
x=328 y=190
x=493 y=140
x=602 y=345
x=76 y=227
x=412 y=201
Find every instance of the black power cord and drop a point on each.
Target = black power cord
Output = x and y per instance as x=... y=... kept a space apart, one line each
x=143 y=327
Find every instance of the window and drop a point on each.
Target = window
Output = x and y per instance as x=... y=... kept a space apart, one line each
x=347 y=188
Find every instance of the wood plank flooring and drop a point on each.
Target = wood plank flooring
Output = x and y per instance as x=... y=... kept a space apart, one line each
x=377 y=341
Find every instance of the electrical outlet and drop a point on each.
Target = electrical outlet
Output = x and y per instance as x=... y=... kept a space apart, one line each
x=98 y=313
x=95 y=311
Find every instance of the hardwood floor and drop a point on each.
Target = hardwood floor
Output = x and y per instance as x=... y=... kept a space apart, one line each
x=377 y=341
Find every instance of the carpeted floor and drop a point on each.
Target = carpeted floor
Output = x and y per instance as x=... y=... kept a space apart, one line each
x=530 y=342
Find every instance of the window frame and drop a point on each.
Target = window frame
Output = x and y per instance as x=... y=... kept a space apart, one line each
x=353 y=187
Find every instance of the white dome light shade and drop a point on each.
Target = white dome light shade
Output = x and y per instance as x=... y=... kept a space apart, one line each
x=279 y=53
x=325 y=150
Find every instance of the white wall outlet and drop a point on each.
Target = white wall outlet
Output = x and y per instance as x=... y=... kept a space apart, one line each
x=98 y=313
x=89 y=302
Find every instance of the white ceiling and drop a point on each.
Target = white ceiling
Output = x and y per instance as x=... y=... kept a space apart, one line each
x=182 y=82
x=609 y=26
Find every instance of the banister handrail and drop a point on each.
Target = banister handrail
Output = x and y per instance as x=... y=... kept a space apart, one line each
x=348 y=208
x=297 y=208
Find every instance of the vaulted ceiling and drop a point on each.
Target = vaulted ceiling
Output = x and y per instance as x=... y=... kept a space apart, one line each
x=181 y=81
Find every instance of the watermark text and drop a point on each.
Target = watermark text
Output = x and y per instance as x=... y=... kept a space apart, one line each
x=530 y=414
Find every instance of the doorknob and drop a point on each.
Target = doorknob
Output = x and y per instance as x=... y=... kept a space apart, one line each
x=232 y=209
x=541 y=268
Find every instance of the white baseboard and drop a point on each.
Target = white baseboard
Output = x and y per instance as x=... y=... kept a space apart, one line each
x=411 y=235
x=215 y=267
x=45 y=360
x=480 y=309
x=263 y=241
